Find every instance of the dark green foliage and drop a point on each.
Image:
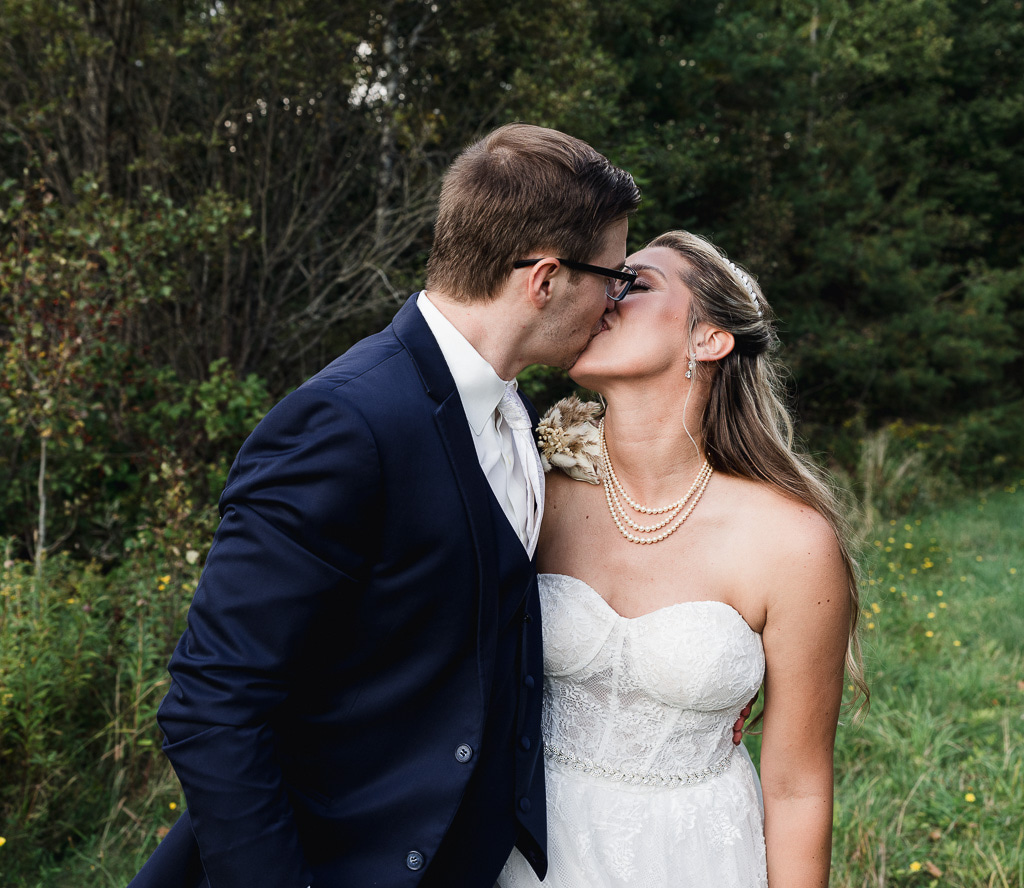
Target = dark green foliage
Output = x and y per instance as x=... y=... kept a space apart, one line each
x=861 y=159
x=328 y=122
x=92 y=427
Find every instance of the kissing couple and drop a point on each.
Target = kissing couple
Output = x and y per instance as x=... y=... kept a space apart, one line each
x=376 y=689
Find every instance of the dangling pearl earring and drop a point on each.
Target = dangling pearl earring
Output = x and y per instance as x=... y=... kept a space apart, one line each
x=691 y=366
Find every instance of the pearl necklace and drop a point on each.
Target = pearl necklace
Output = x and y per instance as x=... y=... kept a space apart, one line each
x=613 y=489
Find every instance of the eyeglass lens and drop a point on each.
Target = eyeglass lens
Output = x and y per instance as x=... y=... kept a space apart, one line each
x=613 y=288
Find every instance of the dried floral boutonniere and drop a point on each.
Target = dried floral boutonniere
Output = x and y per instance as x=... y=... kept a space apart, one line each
x=567 y=438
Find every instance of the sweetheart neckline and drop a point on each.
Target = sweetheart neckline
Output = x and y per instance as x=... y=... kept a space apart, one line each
x=659 y=610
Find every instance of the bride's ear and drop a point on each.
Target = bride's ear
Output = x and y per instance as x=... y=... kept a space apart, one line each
x=713 y=343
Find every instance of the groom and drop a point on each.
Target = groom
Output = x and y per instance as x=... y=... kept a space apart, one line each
x=356 y=700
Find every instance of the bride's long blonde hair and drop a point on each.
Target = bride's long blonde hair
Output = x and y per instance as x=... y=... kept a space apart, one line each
x=746 y=429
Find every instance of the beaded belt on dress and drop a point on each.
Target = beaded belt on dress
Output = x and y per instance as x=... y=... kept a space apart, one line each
x=651 y=778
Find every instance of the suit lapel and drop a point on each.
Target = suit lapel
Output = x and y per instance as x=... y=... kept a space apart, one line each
x=453 y=429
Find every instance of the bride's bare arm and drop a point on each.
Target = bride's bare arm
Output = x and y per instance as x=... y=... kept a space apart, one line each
x=805 y=638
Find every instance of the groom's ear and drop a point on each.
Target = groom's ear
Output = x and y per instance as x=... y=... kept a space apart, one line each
x=540 y=281
x=713 y=343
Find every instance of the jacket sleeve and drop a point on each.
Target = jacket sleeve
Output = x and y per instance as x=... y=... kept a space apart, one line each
x=294 y=528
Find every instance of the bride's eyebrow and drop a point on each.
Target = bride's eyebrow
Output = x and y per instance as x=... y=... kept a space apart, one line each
x=648 y=268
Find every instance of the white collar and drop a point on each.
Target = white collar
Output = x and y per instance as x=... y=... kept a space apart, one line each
x=480 y=387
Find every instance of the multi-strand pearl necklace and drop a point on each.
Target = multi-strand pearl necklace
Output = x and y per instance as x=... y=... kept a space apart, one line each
x=675 y=513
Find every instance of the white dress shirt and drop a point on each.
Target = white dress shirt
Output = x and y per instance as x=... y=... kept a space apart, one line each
x=481 y=389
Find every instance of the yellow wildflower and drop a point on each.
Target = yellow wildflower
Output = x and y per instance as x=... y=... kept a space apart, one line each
x=173 y=806
x=969 y=797
x=875 y=607
x=931 y=615
x=914 y=866
x=929 y=634
x=956 y=643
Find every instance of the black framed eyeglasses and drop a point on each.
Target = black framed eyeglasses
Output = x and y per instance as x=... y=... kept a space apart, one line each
x=617 y=280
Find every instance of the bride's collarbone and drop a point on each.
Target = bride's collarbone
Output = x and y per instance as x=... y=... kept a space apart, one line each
x=705 y=560
x=638 y=579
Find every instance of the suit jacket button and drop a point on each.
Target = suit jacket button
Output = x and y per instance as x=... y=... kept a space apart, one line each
x=524 y=741
x=464 y=753
x=528 y=681
x=524 y=805
x=414 y=860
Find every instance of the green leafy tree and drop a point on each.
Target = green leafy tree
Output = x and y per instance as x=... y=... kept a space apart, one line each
x=331 y=122
x=87 y=421
x=860 y=159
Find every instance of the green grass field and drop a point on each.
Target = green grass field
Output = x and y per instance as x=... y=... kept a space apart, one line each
x=930 y=783
x=930 y=789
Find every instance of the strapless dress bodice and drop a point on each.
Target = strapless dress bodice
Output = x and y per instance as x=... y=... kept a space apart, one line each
x=644 y=786
x=652 y=695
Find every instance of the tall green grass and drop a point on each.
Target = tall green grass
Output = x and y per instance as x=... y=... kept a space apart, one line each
x=930 y=783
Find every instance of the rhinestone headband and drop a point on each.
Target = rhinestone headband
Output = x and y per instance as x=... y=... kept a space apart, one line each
x=747 y=285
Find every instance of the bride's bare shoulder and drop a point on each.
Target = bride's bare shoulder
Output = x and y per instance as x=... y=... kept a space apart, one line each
x=569 y=507
x=783 y=528
x=562 y=494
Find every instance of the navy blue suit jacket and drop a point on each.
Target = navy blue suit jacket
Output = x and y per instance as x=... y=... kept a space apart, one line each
x=328 y=701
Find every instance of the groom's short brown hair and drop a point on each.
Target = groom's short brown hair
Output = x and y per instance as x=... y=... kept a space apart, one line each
x=520 y=192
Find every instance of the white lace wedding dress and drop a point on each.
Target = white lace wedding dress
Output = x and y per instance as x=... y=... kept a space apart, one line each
x=645 y=788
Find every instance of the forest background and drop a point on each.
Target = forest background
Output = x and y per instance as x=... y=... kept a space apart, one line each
x=201 y=203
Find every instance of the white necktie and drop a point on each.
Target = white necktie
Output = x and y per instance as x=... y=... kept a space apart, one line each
x=530 y=471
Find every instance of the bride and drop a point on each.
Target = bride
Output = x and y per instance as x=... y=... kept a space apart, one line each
x=707 y=560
